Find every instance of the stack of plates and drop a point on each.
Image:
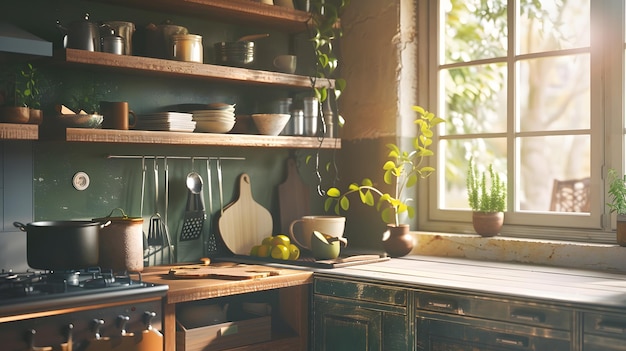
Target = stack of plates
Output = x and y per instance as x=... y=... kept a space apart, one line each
x=168 y=121
x=220 y=120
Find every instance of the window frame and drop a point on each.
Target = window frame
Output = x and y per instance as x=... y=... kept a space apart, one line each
x=607 y=133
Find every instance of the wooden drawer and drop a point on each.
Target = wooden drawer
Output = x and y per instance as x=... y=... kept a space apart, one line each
x=361 y=291
x=225 y=335
x=508 y=310
x=606 y=324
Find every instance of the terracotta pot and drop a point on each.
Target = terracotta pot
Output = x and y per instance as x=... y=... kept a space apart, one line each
x=35 y=116
x=397 y=240
x=14 y=114
x=621 y=230
x=488 y=223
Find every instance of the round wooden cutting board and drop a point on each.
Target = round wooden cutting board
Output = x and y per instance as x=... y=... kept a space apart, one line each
x=245 y=222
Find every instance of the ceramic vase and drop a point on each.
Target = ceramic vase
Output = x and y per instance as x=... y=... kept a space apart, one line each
x=397 y=240
x=488 y=224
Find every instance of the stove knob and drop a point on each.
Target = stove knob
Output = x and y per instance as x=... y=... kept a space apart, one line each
x=122 y=320
x=96 y=324
x=30 y=336
x=147 y=319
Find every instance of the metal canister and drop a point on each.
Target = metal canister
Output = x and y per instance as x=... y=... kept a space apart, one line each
x=310 y=125
x=310 y=106
x=297 y=122
x=113 y=44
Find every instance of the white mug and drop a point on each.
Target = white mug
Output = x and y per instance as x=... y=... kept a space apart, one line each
x=330 y=225
x=286 y=63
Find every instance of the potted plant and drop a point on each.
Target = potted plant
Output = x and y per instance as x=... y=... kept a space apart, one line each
x=403 y=171
x=22 y=96
x=617 y=193
x=487 y=199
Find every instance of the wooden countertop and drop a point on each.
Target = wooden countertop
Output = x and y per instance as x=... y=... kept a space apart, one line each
x=562 y=285
x=182 y=290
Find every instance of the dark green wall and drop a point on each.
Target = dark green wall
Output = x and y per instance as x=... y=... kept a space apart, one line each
x=117 y=183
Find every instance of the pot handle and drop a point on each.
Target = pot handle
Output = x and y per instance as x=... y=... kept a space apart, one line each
x=124 y=215
x=20 y=225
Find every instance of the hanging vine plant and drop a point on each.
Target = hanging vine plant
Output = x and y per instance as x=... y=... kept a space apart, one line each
x=326 y=27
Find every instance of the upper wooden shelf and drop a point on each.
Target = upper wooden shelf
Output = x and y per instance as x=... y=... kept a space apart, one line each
x=197 y=139
x=10 y=131
x=155 y=66
x=246 y=12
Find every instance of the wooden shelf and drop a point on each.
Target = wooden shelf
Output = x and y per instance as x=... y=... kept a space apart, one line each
x=248 y=12
x=10 y=131
x=155 y=66
x=196 y=139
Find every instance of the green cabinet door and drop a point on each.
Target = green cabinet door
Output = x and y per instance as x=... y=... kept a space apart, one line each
x=339 y=327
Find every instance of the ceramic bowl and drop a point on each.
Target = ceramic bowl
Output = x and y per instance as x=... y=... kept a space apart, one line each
x=214 y=126
x=270 y=123
x=81 y=121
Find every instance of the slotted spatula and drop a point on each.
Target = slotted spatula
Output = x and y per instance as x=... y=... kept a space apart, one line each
x=195 y=214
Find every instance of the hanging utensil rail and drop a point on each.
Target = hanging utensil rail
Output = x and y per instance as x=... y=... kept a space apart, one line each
x=147 y=157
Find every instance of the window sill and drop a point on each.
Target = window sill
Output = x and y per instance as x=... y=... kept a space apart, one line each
x=599 y=257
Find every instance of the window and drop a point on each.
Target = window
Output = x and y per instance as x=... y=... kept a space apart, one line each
x=535 y=88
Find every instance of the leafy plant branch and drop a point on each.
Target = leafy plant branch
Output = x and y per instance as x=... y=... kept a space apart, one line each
x=617 y=192
x=403 y=171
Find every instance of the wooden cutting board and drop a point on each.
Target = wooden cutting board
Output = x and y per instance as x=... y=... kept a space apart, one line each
x=293 y=197
x=244 y=222
x=202 y=271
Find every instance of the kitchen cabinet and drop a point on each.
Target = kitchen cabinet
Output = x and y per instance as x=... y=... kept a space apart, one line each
x=360 y=315
x=467 y=305
x=291 y=286
x=604 y=331
x=466 y=322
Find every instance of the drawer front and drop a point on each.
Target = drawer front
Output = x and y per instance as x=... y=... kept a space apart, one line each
x=360 y=291
x=527 y=313
x=605 y=324
x=437 y=332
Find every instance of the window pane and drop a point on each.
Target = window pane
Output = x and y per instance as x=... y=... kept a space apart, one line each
x=546 y=159
x=475 y=98
x=473 y=30
x=549 y=25
x=457 y=154
x=554 y=93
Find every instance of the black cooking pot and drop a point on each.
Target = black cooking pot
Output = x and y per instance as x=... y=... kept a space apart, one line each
x=62 y=245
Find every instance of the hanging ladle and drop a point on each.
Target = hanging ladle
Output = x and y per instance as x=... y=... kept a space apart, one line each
x=194 y=182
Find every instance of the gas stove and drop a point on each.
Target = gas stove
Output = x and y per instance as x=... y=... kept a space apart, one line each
x=48 y=308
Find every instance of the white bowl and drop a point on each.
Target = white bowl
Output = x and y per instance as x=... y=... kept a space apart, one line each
x=270 y=123
x=214 y=126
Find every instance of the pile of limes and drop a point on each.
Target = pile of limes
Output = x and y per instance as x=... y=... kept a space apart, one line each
x=278 y=247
